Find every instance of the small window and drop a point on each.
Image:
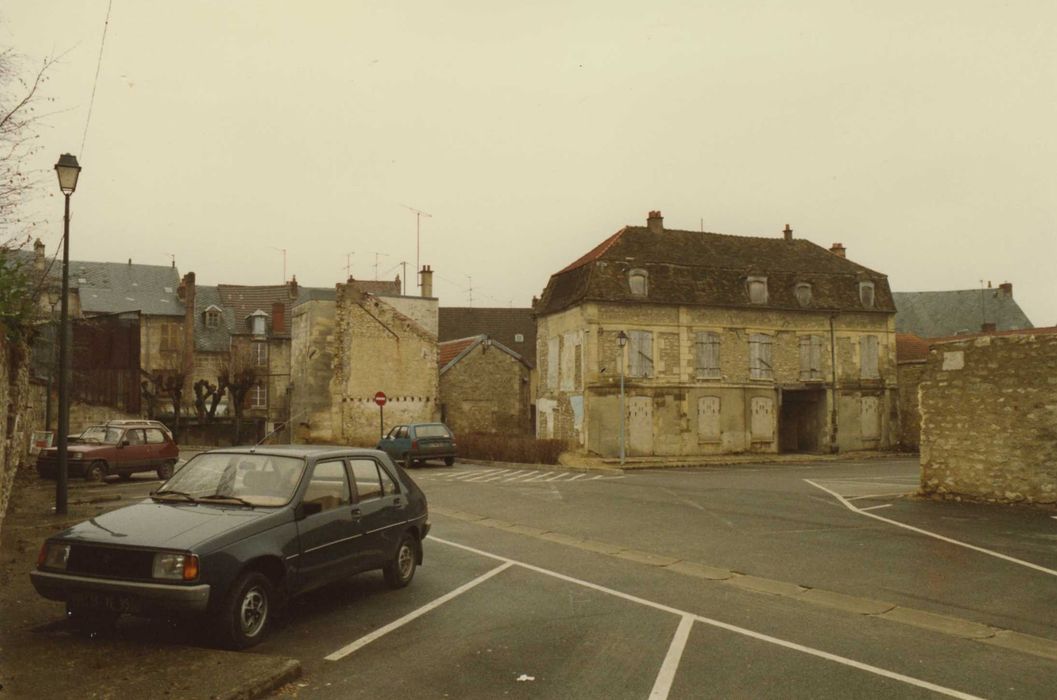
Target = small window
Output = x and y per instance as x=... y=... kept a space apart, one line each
x=757 y=290
x=134 y=437
x=259 y=396
x=258 y=321
x=329 y=486
x=760 y=366
x=389 y=486
x=706 y=355
x=365 y=474
x=640 y=354
x=155 y=436
x=866 y=294
x=637 y=281
x=170 y=337
x=811 y=358
x=260 y=354
x=803 y=294
x=212 y=318
x=519 y=338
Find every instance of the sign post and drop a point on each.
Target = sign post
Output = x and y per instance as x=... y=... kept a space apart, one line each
x=380 y=399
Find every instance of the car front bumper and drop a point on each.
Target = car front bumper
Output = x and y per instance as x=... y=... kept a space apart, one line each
x=137 y=596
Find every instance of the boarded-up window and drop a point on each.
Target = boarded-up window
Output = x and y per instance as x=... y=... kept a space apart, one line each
x=810 y=358
x=866 y=294
x=762 y=424
x=760 y=366
x=571 y=341
x=757 y=290
x=706 y=353
x=708 y=419
x=869 y=366
x=637 y=281
x=552 y=363
x=803 y=293
x=640 y=354
x=871 y=418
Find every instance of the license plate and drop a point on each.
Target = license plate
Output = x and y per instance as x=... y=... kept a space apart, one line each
x=109 y=601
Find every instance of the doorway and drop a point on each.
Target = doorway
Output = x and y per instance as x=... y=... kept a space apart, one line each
x=802 y=420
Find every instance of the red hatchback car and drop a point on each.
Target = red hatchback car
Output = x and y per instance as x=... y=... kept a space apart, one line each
x=123 y=448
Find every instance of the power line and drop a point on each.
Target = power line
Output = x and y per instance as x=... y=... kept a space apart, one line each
x=95 y=82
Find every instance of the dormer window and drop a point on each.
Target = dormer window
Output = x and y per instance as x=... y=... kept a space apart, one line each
x=803 y=293
x=637 y=281
x=866 y=294
x=519 y=338
x=212 y=317
x=757 y=290
x=257 y=322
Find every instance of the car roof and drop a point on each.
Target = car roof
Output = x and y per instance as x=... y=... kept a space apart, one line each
x=299 y=451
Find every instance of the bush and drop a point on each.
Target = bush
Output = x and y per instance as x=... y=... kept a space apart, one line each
x=509 y=448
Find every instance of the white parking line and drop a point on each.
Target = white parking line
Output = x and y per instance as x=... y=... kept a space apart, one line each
x=999 y=555
x=663 y=684
x=382 y=631
x=909 y=680
x=518 y=475
x=474 y=474
x=489 y=476
x=883 y=505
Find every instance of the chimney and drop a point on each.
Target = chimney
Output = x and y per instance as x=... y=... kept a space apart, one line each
x=427 y=282
x=788 y=233
x=186 y=292
x=988 y=328
x=278 y=317
x=838 y=250
x=1006 y=288
x=655 y=222
x=38 y=255
x=292 y=284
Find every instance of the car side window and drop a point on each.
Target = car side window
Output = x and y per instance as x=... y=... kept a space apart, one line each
x=155 y=436
x=365 y=474
x=134 y=437
x=403 y=432
x=389 y=486
x=329 y=486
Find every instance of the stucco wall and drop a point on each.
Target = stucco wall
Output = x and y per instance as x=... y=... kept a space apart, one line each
x=314 y=414
x=989 y=419
x=485 y=392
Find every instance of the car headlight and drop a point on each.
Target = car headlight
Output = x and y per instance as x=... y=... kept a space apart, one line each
x=175 y=566
x=53 y=555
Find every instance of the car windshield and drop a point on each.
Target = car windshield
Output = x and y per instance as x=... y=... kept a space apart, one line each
x=100 y=433
x=425 y=431
x=258 y=480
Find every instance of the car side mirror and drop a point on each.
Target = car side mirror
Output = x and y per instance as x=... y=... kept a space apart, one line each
x=124 y=443
x=307 y=508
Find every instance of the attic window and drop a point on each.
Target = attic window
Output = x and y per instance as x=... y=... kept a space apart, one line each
x=866 y=294
x=803 y=293
x=757 y=290
x=212 y=318
x=637 y=280
x=519 y=338
x=257 y=322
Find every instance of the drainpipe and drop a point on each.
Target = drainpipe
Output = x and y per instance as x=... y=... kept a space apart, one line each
x=833 y=387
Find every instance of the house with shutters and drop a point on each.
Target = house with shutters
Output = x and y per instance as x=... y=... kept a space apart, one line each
x=725 y=344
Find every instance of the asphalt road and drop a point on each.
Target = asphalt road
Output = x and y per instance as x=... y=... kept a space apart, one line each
x=555 y=584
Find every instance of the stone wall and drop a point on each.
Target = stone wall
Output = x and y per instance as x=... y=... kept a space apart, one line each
x=910 y=374
x=313 y=351
x=486 y=392
x=15 y=426
x=989 y=419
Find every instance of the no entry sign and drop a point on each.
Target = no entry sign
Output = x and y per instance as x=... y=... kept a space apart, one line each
x=380 y=398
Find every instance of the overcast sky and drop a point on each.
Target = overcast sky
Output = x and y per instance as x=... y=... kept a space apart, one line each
x=922 y=135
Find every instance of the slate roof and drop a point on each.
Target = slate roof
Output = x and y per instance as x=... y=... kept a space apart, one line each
x=942 y=314
x=501 y=324
x=236 y=302
x=711 y=269
x=449 y=353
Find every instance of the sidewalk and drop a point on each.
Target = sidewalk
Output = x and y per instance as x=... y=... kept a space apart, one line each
x=577 y=462
x=42 y=656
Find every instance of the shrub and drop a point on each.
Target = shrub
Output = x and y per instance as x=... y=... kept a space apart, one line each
x=509 y=448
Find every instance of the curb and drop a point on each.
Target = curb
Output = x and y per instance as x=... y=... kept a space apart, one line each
x=287 y=671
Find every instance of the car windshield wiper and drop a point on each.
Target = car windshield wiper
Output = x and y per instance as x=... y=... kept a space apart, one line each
x=222 y=497
x=169 y=492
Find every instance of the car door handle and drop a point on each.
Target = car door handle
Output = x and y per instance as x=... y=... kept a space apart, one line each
x=356 y=512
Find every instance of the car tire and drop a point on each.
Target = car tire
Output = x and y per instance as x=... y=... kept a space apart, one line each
x=246 y=613
x=89 y=620
x=408 y=462
x=96 y=471
x=401 y=569
x=448 y=461
x=165 y=471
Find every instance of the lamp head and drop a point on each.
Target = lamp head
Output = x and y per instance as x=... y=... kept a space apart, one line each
x=622 y=338
x=68 y=170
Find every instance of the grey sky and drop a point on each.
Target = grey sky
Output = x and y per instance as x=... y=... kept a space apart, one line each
x=919 y=134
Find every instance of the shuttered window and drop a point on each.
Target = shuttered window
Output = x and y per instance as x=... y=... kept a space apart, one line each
x=640 y=354
x=810 y=358
x=869 y=367
x=552 y=363
x=706 y=353
x=760 y=366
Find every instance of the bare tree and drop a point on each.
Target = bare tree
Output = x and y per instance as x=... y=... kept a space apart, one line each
x=238 y=376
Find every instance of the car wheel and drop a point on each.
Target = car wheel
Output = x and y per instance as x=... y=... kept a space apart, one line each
x=165 y=470
x=449 y=461
x=408 y=462
x=89 y=620
x=246 y=613
x=400 y=571
x=96 y=471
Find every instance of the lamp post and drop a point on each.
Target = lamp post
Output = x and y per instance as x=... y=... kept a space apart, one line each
x=67 y=170
x=53 y=361
x=622 y=340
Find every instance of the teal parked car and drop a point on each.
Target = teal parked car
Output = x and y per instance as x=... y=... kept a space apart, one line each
x=417 y=442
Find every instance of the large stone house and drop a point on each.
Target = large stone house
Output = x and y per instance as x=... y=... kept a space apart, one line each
x=732 y=344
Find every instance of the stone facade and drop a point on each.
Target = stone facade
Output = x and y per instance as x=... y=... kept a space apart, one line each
x=486 y=390
x=15 y=428
x=989 y=419
x=910 y=374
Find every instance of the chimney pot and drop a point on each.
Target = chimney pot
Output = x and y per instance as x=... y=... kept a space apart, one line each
x=427 y=282
x=838 y=250
x=655 y=222
x=292 y=284
x=788 y=233
x=1006 y=288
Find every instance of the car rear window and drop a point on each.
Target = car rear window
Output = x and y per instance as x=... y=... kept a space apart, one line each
x=424 y=431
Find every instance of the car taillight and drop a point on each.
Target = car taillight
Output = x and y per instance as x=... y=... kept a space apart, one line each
x=414 y=444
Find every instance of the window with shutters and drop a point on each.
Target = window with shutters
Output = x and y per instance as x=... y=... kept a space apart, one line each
x=757 y=290
x=760 y=366
x=811 y=358
x=708 y=425
x=552 y=363
x=869 y=366
x=170 y=337
x=870 y=415
x=761 y=423
x=866 y=294
x=640 y=354
x=706 y=354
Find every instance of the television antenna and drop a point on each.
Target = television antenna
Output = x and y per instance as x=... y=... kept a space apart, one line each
x=418 y=238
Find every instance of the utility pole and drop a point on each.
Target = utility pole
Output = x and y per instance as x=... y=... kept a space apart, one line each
x=469 y=289
x=403 y=276
x=418 y=239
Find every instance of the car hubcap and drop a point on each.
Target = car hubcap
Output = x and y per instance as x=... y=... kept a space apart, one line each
x=406 y=561
x=254 y=612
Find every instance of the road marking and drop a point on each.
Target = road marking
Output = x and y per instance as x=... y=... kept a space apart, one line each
x=473 y=473
x=520 y=474
x=489 y=475
x=722 y=625
x=382 y=631
x=999 y=555
x=883 y=505
x=663 y=685
x=876 y=495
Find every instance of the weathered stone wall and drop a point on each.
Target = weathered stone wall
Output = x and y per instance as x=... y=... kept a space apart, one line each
x=586 y=408
x=910 y=374
x=422 y=310
x=486 y=392
x=989 y=419
x=313 y=349
x=15 y=427
x=154 y=354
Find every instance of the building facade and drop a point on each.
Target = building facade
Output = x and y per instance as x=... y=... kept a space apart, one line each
x=484 y=387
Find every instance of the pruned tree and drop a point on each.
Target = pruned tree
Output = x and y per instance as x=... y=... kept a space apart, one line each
x=207 y=398
x=238 y=376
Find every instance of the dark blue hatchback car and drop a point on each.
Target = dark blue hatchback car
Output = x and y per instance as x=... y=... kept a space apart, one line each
x=235 y=533
x=416 y=442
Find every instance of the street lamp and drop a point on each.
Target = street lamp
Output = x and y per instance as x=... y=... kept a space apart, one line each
x=53 y=361
x=67 y=170
x=622 y=340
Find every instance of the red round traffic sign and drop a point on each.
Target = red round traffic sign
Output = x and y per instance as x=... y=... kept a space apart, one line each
x=380 y=398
